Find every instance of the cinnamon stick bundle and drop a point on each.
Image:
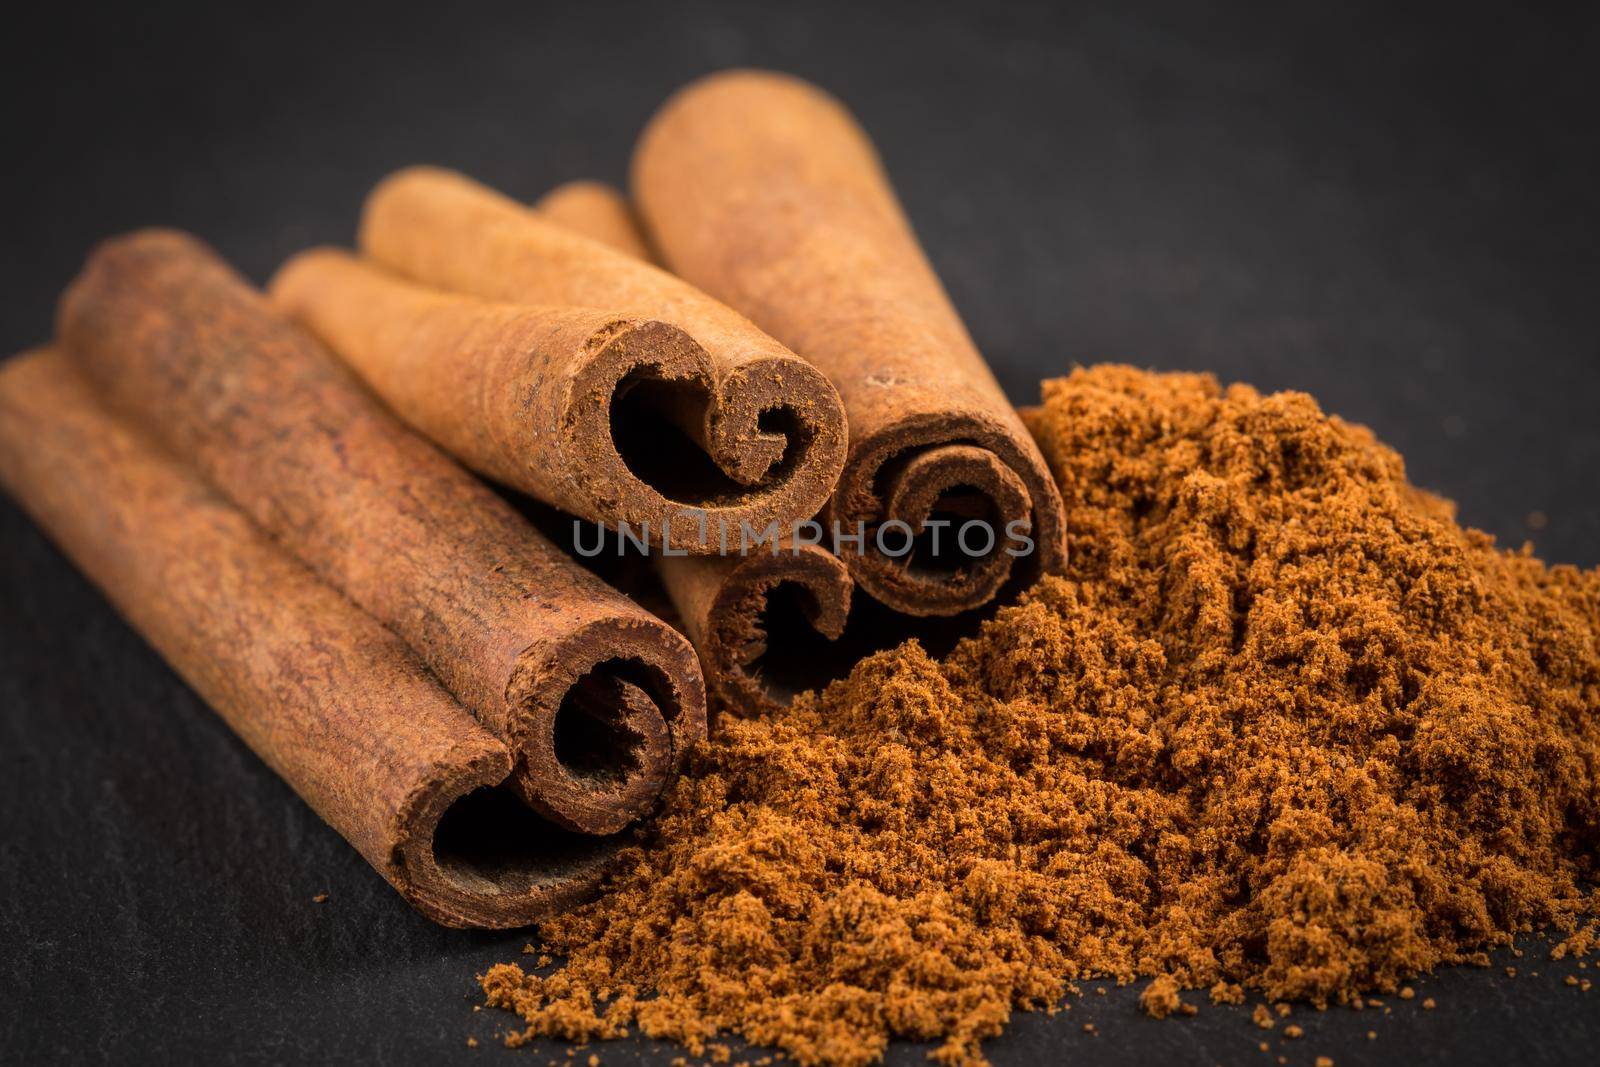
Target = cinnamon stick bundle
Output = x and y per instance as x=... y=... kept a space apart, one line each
x=762 y=191
x=613 y=415
x=335 y=703
x=755 y=619
x=596 y=699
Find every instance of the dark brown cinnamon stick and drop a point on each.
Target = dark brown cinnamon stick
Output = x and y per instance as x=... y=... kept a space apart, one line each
x=763 y=422
x=331 y=700
x=596 y=699
x=761 y=190
x=549 y=400
x=726 y=605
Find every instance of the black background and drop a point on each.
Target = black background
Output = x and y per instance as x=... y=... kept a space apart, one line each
x=1393 y=212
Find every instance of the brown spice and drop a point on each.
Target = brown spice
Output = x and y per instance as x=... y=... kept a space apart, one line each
x=1160 y=998
x=1227 y=993
x=1282 y=723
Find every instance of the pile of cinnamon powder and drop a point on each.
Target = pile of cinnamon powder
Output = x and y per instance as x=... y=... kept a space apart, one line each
x=1283 y=729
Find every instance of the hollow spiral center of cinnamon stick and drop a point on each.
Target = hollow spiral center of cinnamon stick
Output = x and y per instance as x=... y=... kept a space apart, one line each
x=595 y=736
x=925 y=501
x=602 y=752
x=658 y=428
x=481 y=845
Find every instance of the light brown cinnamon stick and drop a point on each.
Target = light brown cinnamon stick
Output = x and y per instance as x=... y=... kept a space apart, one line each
x=554 y=401
x=765 y=424
x=762 y=190
x=330 y=699
x=599 y=211
x=596 y=699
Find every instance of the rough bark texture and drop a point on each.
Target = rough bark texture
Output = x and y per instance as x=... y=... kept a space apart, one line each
x=759 y=420
x=533 y=397
x=596 y=699
x=331 y=700
x=762 y=190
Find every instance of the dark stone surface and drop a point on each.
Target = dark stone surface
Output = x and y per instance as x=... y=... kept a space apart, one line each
x=1395 y=213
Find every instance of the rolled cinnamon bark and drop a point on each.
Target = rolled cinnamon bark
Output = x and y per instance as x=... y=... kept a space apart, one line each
x=728 y=604
x=596 y=210
x=762 y=191
x=596 y=699
x=554 y=401
x=335 y=703
x=759 y=428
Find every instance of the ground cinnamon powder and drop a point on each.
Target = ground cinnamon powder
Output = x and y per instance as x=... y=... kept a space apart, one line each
x=1282 y=725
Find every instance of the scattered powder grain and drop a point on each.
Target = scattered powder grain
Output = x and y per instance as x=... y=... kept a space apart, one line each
x=1282 y=724
x=1160 y=999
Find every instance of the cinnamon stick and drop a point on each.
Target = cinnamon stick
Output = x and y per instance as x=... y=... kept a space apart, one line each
x=554 y=401
x=596 y=699
x=728 y=604
x=335 y=703
x=760 y=430
x=761 y=190
x=598 y=211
